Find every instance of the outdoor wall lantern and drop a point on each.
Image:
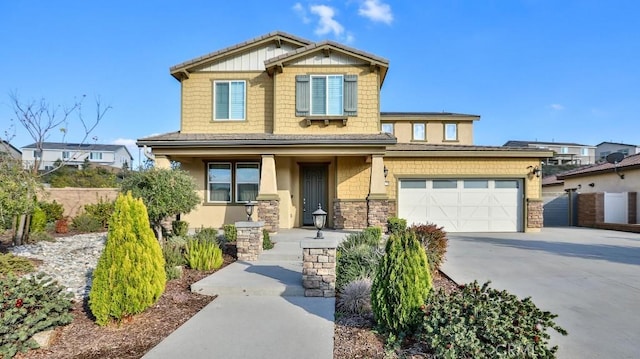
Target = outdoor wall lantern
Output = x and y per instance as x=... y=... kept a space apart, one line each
x=534 y=171
x=248 y=207
x=386 y=171
x=319 y=220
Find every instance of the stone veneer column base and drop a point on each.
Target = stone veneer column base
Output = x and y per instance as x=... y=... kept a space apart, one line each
x=349 y=214
x=534 y=213
x=319 y=267
x=269 y=213
x=377 y=213
x=249 y=240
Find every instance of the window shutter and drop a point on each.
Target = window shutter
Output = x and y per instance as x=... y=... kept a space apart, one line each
x=302 y=95
x=351 y=95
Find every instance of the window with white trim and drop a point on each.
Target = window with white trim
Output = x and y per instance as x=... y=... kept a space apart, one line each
x=229 y=99
x=326 y=95
x=65 y=155
x=95 y=156
x=450 y=131
x=238 y=185
x=585 y=151
x=387 y=128
x=419 y=132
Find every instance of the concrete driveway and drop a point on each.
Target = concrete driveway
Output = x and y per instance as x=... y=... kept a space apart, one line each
x=589 y=277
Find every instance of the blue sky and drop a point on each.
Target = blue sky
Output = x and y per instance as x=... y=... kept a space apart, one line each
x=532 y=69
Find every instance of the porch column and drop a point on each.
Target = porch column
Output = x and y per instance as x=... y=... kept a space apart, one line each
x=162 y=162
x=377 y=201
x=268 y=199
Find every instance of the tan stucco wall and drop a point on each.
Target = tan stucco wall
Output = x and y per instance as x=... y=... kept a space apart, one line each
x=352 y=177
x=403 y=130
x=607 y=182
x=197 y=103
x=461 y=168
x=368 y=102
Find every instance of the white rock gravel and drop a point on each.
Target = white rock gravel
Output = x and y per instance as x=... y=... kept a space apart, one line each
x=69 y=260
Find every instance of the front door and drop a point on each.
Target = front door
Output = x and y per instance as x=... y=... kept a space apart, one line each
x=314 y=191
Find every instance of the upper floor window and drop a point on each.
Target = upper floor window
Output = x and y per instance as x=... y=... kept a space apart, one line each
x=624 y=151
x=387 y=128
x=95 y=155
x=450 y=131
x=584 y=152
x=65 y=155
x=326 y=95
x=37 y=154
x=229 y=100
x=419 y=132
x=564 y=150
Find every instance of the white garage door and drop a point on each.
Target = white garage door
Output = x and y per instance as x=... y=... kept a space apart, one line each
x=463 y=205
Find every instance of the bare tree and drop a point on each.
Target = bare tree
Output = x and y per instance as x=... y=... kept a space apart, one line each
x=40 y=119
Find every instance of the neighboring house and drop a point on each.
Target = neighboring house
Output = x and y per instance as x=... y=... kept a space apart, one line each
x=295 y=124
x=564 y=153
x=7 y=149
x=617 y=184
x=74 y=154
x=603 y=149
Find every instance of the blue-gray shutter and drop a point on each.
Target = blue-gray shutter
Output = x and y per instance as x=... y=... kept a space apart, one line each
x=351 y=95
x=302 y=95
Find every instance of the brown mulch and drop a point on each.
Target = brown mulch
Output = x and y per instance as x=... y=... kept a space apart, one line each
x=354 y=335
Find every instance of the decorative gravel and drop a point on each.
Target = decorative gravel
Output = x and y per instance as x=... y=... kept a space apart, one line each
x=69 y=260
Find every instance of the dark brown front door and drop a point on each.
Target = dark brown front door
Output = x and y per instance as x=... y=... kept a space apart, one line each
x=314 y=191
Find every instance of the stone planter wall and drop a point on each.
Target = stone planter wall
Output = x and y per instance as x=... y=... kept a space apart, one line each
x=249 y=240
x=319 y=267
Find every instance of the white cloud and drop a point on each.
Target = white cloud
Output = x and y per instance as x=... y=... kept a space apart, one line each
x=556 y=107
x=327 y=23
x=376 y=11
x=302 y=12
x=127 y=142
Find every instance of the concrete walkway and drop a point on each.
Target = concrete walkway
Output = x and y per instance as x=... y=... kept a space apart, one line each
x=260 y=312
x=589 y=277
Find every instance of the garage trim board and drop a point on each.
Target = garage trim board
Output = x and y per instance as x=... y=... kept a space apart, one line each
x=463 y=205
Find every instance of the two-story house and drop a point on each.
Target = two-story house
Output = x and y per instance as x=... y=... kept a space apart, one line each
x=74 y=154
x=565 y=153
x=603 y=149
x=295 y=124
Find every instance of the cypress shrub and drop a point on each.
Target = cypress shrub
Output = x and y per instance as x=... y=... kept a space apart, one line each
x=38 y=220
x=180 y=228
x=230 y=232
x=401 y=285
x=396 y=225
x=130 y=275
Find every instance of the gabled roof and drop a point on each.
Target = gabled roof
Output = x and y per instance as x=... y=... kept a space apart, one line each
x=616 y=143
x=551 y=181
x=4 y=144
x=275 y=36
x=629 y=162
x=328 y=45
x=63 y=146
x=512 y=143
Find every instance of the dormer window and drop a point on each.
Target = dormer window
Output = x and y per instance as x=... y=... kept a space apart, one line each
x=450 y=131
x=327 y=95
x=229 y=100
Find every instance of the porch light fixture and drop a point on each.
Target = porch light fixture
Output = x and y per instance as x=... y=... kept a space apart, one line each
x=248 y=207
x=386 y=171
x=534 y=171
x=319 y=220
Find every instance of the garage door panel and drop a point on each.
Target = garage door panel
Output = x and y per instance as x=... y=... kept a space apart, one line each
x=470 y=205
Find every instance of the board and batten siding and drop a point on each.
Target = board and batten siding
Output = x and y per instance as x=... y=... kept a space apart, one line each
x=252 y=60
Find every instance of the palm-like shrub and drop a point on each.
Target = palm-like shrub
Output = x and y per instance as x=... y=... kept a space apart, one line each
x=401 y=285
x=130 y=275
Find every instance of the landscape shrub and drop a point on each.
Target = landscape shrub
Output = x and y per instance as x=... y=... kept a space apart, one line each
x=180 y=228
x=481 y=322
x=396 y=225
x=230 y=232
x=266 y=240
x=375 y=232
x=173 y=253
x=86 y=224
x=62 y=225
x=130 y=274
x=36 y=237
x=10 y=263
x=101 y=211
x=53 y=210
x=203 y=254
x=435 y=242
x=30 y=305
x=401 y=285
x=355 y=297
x=357 y=257
x=207 y=234
x=38 y=220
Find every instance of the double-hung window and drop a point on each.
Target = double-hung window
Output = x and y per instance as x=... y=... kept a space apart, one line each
x=450 y=132
x=95 y=156
x=65 y=155
x=327 y=95
x=233 y=182
x=419 y=131
x=387 y=128
x=229 y=99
